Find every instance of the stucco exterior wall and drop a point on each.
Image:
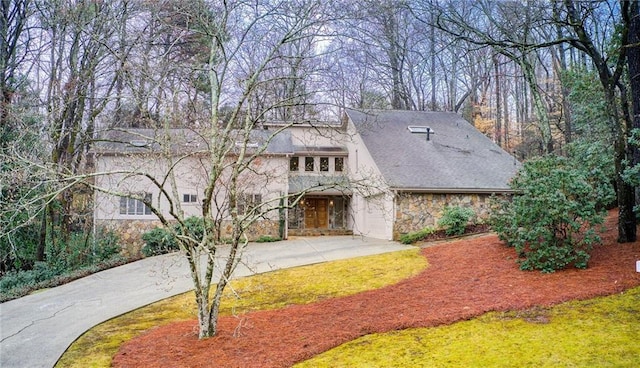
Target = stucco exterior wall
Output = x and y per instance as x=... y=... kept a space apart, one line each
x=317 y=136
x=268 y=178
x=415 y=211
x=372 y=203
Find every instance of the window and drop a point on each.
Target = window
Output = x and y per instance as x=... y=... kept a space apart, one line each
x=308 y=164
x=324 y=163
x=133 y=206
x=247 y=202
x=189 y=198
x=294 y=164
x=339 y=164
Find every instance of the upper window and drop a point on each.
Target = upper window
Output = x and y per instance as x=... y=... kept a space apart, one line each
x=189 y=198
x=309 y=164
x=133 y=206
x=339 y=164
x=324 y=163
x=294 y=164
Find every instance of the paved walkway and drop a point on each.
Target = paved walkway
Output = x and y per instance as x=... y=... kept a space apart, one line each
x=36 y=330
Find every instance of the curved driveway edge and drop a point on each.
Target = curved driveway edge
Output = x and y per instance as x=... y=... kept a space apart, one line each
x=35 y=330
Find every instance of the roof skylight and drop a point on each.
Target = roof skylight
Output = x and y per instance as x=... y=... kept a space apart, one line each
x=419 y=129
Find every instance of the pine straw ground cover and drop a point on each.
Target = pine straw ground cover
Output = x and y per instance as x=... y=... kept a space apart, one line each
x=465 y=279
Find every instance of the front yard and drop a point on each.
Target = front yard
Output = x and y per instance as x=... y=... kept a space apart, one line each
x=342 y=314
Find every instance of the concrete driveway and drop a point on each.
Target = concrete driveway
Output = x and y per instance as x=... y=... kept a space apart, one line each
x=36 y=330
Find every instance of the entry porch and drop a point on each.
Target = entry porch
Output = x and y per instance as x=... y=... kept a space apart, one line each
x=316 y=215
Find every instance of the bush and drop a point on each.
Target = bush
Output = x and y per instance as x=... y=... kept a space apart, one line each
x=107 y=246
x=159 y=241
x=550 y=220
x=16 y=284
x=193 y=226
x=78 y=257
x=267 y=239
x=454 y=220
x=413 y=237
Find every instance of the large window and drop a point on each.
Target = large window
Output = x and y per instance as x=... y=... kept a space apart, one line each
x=247 y=202
x=294 y=164
x=309 y=164
x=133 y=206
x=339 y=164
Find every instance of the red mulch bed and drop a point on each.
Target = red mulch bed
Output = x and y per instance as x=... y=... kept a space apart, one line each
x=465 y=279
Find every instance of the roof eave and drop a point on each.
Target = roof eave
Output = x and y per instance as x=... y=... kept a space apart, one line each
x=454 y=190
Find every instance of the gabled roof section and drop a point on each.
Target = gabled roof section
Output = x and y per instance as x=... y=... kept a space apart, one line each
x=456 y=158
x=124 y=141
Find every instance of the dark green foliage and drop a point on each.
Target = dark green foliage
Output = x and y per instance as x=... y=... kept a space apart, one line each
x=163 y=240
x=411 y=238
x=454 y=219
x=550 y=220
x=192 y=230
x=267 y=239
x=159 y=241
x=18 y=248
x=632 y=173
x=77 y=258
x=16 y=284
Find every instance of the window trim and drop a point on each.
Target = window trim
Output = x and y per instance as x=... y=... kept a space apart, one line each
x=189 y=198
x=325 y=167
x=294 y=161
x=309 y=164
x=130 y=206
x=335 y=164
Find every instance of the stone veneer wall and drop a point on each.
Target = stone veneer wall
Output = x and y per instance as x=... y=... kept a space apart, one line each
x=415 y=211
x=257 y=229
x=130 y=232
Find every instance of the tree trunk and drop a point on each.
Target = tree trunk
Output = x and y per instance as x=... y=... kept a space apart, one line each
x=633 y=63
x=620 y=122
x=498 y=125
x=560 y=65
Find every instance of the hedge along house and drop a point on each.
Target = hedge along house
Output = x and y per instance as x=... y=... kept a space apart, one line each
x=427 y=160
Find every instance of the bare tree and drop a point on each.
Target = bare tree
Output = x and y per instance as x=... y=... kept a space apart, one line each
x=75 y=58
x=14 y=44
x=260 y=66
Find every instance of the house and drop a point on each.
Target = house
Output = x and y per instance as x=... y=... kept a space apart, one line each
x=378 y=173
x=427 y=160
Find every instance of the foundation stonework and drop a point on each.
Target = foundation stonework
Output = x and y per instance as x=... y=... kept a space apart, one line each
x=130 y=232
x=416 y=211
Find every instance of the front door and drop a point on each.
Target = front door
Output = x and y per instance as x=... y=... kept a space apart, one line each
x=315 y=213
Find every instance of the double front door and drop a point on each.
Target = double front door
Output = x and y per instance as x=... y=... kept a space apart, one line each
x=316 y=213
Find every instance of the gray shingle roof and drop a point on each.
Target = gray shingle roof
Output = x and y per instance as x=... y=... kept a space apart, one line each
x=457 y=157
x=181 y=140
